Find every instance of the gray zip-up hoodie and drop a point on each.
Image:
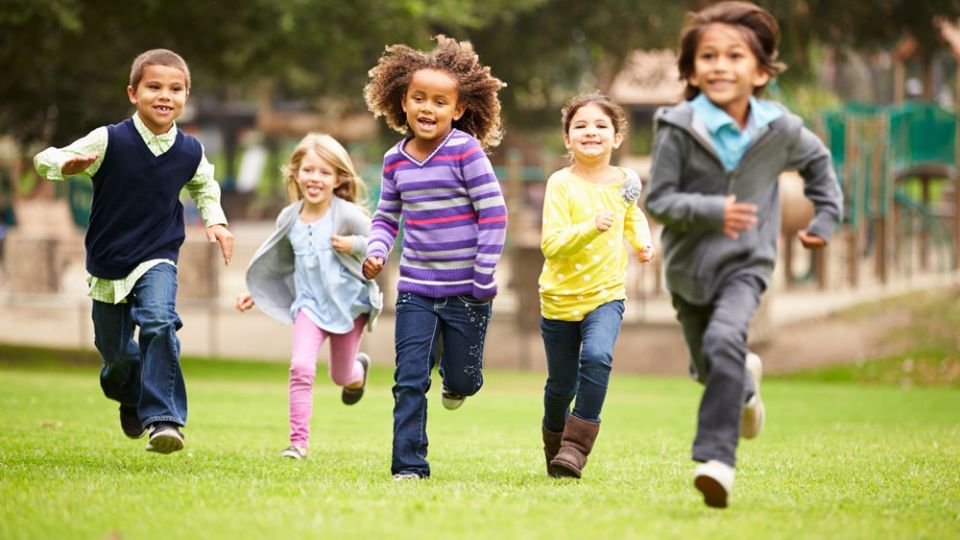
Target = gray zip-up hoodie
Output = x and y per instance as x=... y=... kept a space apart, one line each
x=270 y=273
x=688 y=186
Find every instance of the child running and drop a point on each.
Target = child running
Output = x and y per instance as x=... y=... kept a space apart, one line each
x=589 y=209
x=714 y=187
x=138 y=168
x=308 y=272
x=439 y=181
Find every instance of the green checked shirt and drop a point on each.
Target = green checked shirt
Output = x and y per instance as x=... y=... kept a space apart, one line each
x=203 y=189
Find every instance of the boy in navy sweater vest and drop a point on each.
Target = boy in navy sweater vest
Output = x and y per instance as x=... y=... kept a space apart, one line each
x=138 y=168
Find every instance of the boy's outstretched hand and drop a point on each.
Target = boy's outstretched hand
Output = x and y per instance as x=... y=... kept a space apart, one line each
x=738 y=217
x=372 y=267
x=78 y=164
x=811 y=241
x=219 y=233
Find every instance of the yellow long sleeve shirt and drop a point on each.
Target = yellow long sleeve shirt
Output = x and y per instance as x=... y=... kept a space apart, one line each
x=584 y=267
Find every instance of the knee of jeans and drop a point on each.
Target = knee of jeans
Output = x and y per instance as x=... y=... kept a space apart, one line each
x=595 y=358
x=159 y=326
x=560 y=391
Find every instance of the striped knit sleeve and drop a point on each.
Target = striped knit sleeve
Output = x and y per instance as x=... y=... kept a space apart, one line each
x=386 y=220
x=487 y=199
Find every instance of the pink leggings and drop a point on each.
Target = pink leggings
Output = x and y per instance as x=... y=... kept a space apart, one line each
x=344 y=369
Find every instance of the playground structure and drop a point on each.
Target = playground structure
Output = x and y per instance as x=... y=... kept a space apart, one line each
x=898 y=169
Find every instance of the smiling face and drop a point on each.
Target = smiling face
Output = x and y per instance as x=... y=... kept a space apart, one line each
x=316 y=180
x=431 y=103
x=592 y=134
x=726 y=70
x=159 y=97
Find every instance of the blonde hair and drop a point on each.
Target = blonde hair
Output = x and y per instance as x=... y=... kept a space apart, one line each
x=351 y=187
x=158 y=57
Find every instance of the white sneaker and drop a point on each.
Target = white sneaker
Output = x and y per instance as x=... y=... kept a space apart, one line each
x=751 y=419
x=401 y=477
x=715 y=480
x=294 y=452
x=450 y=400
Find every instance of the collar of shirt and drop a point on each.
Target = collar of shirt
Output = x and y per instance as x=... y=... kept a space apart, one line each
x=161 y=142
x=714 y=118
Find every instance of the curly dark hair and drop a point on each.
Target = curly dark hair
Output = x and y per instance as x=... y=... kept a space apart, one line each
x=476 y=87
x=758 y=27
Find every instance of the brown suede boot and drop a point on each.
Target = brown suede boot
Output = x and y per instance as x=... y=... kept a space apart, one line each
x=551 y=445
x=575 y=446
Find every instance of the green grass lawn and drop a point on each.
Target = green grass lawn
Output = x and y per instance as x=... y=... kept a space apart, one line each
x=836 y=460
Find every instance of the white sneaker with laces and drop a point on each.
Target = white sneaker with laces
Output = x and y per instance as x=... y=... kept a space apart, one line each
x=752 y=417
x=400 y=477
x=294 y=452
x=715 y=480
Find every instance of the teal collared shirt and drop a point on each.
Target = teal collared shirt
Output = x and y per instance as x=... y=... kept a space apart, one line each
x=729 y=141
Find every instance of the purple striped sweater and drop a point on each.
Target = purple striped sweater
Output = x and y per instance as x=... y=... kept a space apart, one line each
x=454 y=219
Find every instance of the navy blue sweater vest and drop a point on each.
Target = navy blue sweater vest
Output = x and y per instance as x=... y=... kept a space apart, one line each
x=136 y=213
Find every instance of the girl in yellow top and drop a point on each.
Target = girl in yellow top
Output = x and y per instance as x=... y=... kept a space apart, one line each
x=590 y=208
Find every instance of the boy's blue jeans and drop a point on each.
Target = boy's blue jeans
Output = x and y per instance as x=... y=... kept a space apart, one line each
x=716 y=335
x=460 y=324
x=146 y=374
x=579 y=360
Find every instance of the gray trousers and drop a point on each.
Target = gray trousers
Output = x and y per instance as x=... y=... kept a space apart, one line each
x=716 y=335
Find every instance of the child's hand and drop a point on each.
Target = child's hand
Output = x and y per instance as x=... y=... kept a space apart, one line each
x=341 y=244
x=738 y=217
x=78 y=164
x=604 y=220
x=646 y=254
x=244 y=302
x=219 y=233
x=372 y=267
x=811 y=241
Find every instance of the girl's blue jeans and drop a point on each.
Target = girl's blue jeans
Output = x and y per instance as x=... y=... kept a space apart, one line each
x=579 y=360
x=451 y=329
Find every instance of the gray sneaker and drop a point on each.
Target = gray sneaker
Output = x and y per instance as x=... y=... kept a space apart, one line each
x=350 y=396
x=294 y=452
x=165 y=438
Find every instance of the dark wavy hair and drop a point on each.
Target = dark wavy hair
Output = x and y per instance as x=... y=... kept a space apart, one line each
x=758 y=27
x=476 y=87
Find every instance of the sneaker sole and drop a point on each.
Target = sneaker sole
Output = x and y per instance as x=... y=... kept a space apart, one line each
x=714 y=495
x=165 y=444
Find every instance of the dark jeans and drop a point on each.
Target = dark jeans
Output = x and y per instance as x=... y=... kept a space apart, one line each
x=716 y=335
x=459 y=324
x=579 y=360
x=146 y=374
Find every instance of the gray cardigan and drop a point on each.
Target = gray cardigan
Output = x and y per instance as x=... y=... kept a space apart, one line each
x=687 y=190
x=270 y=273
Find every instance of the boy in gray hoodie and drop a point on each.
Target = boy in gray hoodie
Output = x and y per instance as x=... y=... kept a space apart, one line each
x=714 y=188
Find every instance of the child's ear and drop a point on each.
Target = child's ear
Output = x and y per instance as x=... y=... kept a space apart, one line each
x=461 y=108
x=617 y=140
x=132 y=94
x=761 y=78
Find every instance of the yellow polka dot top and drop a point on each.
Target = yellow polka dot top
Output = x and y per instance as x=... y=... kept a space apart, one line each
x=584 y=267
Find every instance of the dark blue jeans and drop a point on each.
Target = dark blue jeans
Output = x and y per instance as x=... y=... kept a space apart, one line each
x=716 y=335
x=579 y=360
x=146 y=374
x=459 y=324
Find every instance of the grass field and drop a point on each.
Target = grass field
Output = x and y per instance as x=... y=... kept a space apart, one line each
x=836 y=460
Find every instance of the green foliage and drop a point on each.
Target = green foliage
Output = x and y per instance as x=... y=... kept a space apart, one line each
x=835 y=461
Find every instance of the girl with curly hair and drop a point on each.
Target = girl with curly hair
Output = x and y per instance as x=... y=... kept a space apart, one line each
x=441 y=183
